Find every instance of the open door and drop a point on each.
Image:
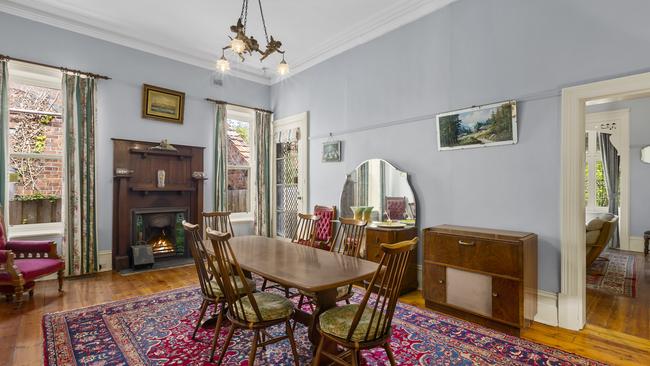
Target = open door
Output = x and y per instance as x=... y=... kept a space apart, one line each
x=290 y=172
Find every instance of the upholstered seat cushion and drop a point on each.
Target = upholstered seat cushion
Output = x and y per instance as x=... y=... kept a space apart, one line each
x=337 y=322
x=340 y=292
x=34 y=267
x=271 y=306
x=238 y=284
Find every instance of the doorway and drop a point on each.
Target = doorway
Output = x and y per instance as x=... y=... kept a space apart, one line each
x=290 y=179
x=572 y=300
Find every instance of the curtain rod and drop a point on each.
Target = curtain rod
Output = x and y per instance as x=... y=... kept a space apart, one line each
x=64 y=69
x=237 y=105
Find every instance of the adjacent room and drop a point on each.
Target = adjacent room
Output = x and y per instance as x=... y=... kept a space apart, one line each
x=411 y=182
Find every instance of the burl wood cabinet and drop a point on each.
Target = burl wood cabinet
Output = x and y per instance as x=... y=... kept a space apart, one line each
x=481 y=275
x=375 y=236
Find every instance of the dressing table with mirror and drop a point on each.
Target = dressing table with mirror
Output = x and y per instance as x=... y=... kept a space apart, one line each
x=379 y=193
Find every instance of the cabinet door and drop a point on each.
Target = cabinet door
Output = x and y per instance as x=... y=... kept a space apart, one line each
x=435 y=287
x=506 y=295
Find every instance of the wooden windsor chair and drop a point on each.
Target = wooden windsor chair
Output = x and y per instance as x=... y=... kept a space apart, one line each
x=254 y=311
x=368 y=324
x=347 y=240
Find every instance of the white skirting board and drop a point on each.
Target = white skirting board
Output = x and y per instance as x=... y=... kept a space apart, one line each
x=105 y=258
x=546 y=304
x=636 y=244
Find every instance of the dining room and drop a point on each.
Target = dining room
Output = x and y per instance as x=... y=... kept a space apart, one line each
x=375 y=182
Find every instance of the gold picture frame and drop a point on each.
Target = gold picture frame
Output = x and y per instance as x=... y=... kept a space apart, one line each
x=162 y=104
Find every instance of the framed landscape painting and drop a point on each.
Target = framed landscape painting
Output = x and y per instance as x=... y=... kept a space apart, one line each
x=488 y=125
x=162 y=104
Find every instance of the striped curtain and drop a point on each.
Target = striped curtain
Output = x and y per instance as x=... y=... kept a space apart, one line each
x=4 y=120
x=263 y=173
x=80 y=239
x=221 y=160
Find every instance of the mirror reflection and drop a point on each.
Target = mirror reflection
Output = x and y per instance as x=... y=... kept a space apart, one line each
x=377 y=191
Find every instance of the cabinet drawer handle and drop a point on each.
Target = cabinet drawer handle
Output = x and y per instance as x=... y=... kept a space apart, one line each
x=441 y=281
x=494 y=294
x=466 y=243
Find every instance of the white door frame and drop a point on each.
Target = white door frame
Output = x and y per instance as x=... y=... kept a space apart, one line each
x=618 y=124
x=301 y=121
x=572 y=298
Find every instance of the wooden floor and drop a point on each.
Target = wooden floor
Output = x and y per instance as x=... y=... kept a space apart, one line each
x=630 y=315
x=21 y=338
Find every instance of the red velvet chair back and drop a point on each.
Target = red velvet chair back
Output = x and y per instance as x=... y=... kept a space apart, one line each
x=396 y=208
x=324 y=226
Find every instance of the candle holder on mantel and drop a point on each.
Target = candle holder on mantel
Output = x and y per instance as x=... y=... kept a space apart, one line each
x=161 y=179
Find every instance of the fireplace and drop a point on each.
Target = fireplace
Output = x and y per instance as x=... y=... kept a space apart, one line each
x=161 y=228
x=148 y=212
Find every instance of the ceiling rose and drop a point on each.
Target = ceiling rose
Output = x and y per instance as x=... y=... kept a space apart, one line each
x=242 y=44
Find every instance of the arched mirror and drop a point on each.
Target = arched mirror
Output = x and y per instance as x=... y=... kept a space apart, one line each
x=378 y=192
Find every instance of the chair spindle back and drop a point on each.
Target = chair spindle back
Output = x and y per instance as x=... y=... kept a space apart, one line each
x=227 y=265
x=348 y=237
x=305 y=233
x=387 y=282
x=201 y=259
x=219 y=221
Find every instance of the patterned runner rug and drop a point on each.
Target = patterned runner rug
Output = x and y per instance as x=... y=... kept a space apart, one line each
x=157 y=330
x=613 y=272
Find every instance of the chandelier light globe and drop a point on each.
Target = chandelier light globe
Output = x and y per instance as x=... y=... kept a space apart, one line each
x=238 y=46
x=223 y=64
x=283 y=67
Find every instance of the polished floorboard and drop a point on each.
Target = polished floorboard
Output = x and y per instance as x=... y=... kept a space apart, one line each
x=629 y=315
x=21 y=338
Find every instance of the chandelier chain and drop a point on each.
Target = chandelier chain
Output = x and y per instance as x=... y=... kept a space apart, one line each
x=266 y=35
x=244 y=13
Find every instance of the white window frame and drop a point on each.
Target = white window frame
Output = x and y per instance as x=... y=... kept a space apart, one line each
x=245 y=115
x=593 y=156
x=40 y=76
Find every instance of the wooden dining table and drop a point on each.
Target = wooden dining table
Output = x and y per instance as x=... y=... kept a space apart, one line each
x=301 y=267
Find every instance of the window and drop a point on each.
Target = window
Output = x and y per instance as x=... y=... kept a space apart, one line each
x=595 y=188
x=241 y=162
x=35 y=144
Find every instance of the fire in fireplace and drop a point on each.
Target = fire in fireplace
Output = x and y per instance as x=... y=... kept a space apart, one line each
x=162 y=229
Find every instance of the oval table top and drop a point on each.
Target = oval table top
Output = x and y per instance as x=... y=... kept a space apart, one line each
x=298 y=266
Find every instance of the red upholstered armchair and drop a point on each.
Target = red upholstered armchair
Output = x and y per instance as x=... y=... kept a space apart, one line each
x=396 y=208
x=22 y=262
x=324 y=226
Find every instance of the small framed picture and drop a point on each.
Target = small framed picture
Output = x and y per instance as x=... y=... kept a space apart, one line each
x=331 y=151
x=162 y=104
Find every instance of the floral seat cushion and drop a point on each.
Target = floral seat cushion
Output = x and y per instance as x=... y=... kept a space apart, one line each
x=216 y=290
x=337 y=322
x=340 y=292
x=271 y=306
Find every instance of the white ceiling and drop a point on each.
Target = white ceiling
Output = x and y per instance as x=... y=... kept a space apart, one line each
x=194 y=31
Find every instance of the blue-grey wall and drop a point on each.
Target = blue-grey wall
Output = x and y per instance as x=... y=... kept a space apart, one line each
x=471 y=52
x=119 y=99
x=639 y=171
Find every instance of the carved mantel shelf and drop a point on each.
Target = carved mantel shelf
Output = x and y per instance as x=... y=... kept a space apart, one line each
x=145 y=152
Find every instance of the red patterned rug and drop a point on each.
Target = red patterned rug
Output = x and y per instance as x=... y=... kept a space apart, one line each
x=156 y=330
x=613 y=272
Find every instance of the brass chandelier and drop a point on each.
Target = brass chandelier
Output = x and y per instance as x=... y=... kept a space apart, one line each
x=242 y=44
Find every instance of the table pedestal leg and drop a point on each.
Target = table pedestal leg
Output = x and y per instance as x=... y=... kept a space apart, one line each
x=324 y=300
